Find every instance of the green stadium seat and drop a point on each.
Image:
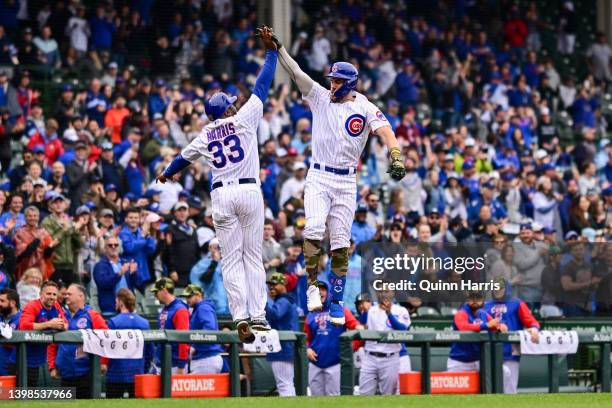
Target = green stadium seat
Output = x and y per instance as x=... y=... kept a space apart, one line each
x=448 y=311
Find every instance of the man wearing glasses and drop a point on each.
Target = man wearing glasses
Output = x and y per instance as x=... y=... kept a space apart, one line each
x=110 y=274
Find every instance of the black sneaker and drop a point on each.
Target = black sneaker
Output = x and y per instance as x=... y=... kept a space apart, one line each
x=244 y=331
x=260 y=325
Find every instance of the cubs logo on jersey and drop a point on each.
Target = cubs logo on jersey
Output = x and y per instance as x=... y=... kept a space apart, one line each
x=498 y=311
x=162 y=319
x=355 y=124
x=82 y=323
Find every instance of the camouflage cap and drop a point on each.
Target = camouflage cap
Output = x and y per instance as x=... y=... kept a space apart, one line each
x=190 y=290
x=162 y=283
x=277 y=278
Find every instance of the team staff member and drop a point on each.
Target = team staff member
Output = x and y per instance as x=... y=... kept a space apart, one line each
x=380 y=366
x=121 y=372
x=174 y=316
x=42 y=314
x=515 y=314
x=323 y=340
x=281 y=312
x=10 y=314
x=71 y=363
x=205 y=358
x=470 y=317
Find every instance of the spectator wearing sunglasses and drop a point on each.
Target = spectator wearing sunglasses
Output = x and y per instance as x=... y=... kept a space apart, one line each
x=111 y=274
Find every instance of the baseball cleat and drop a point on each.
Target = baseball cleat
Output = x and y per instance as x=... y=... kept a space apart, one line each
x=260 y=325
x=336 y=313
x=244 y=331
x=314 y=299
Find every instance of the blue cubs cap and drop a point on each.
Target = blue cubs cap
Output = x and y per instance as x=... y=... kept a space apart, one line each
x=218 y=104
x=151 y=192
x=362 y=208
x=131 y=196
x=468 y=165
x=184 y=193
x=110 y=187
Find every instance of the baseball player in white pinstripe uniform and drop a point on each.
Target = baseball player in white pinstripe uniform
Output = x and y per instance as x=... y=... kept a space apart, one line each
x=381 y=361
x=342 y=121
x=229 y=145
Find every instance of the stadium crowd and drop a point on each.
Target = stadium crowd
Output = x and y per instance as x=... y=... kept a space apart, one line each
x=501 y=148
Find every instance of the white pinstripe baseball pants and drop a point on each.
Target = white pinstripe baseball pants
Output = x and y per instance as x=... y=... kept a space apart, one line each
x=238 y=216
x=330 y=199
x=283 y=375
x=379 y=374
x=324 y=381
x=208 y=365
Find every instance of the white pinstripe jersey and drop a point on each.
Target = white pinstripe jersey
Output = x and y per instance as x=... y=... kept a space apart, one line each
x=379 y=321
x=230 y=145
x=340 y=130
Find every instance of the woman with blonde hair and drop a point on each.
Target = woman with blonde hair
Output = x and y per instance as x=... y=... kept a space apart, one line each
x=29 y=286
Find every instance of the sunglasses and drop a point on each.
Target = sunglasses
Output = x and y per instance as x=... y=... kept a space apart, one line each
x=112 y=245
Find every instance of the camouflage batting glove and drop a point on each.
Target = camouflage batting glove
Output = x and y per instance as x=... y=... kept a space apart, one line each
x=396 y=166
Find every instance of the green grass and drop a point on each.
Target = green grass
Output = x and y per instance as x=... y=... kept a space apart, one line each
x=416 y=401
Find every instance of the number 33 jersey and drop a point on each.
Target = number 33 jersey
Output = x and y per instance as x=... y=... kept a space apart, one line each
x=230 y=145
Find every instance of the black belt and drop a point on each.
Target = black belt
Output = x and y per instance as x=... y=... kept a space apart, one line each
x=240 y=181
x=341 y=172
x=377 y=354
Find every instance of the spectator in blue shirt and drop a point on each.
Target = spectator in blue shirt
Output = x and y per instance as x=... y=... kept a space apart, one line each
x=361 y=231
x=407 y=84
x=121 y=372
x=102 y=29
x=137 y=245
x=110 y=275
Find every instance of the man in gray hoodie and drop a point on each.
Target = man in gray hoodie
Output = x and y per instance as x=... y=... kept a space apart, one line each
x=530 y=260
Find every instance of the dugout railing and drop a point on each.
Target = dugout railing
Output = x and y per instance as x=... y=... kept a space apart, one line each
x=491 y=355
x=164 y=339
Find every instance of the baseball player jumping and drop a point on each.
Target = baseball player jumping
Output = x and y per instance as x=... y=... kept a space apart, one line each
x=229 y=144
x=342 y=121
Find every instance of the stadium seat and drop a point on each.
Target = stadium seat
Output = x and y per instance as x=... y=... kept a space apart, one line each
x=448 y=311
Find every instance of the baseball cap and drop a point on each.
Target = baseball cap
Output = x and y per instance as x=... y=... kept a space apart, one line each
x=67 y=88
x=83 y=210
x=184 y=193
x=195 y=202
x=468 y=165
x=159 y=83
x=363 y=297
x=157 y=116
x=507 y=176
x=113 y=65
x=107 y=146
x=292 y=151
x=190 y=290
x=362 y=208
x=110 y=187
x=470 y=142
x=545 y=111
x=540 y=154
x=321 y=284
x=162 y=283
x=449 y=157
x=107 y=212
x=299 y=166
x=38 y=149
x=548 y=230
x=131 y=196
x=489 y=185
x=537 y=227
x=526 y=226
x=154 y=207
x=152 y=217
x=571 y=235
x=180 y=205
x=277 y=278
x=58 y=197
x=151 y=192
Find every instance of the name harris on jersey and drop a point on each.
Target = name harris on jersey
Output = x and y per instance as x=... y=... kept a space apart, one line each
x=221 y=132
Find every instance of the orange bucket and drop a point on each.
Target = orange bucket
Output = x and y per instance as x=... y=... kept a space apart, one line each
x=184 y=386
x=7 y=382
x=445 y=382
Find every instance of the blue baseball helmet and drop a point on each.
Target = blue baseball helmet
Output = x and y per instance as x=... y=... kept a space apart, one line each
x=344 y=70
x=217 y=105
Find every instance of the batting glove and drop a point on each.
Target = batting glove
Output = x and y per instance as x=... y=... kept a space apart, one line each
x=396 y=167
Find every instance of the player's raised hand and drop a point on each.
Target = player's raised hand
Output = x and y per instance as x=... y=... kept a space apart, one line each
x=161 y=179
x=273 y=36
x=265 y=33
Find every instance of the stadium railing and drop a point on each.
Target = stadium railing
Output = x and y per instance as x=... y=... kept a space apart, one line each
x=491 y=355
x=164 y=338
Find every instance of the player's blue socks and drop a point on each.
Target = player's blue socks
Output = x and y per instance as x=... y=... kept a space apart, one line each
x=336 y=287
